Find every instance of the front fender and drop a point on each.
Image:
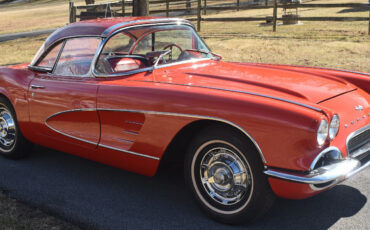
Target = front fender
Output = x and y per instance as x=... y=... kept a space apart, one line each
x=14 y=84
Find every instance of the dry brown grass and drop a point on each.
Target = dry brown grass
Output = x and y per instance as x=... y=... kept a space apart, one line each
x=41 y=14
x=331 y=53
x=327 y=44
x=19 y=50
x=344 y=45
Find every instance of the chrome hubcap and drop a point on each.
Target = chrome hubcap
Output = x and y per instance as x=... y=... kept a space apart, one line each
x=7 y=129
x=224 y=176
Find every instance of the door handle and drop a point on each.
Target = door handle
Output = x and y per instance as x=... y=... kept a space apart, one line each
x=37 y=87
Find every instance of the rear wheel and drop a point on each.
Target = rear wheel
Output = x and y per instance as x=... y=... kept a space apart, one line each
x=225 y=174
x=12 y=143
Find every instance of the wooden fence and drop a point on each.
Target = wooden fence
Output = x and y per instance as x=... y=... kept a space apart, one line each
x=201 y=7
x=288 y=6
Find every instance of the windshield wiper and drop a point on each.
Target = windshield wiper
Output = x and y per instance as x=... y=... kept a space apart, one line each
x=200 y=51
x=215 y=56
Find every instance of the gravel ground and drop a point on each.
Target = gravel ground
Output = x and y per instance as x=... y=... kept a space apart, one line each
x=96 y=196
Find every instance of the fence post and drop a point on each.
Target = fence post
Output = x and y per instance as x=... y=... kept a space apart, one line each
x=123 y=8
x=74 y=13
x=205 y=7
x=70 y=12
x=188 y=5
x=167 y=8
x=237 y=5
x=199 y=14
x=266 y=2
x=274 y=18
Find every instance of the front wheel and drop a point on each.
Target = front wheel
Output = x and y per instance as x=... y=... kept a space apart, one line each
x=225 y=174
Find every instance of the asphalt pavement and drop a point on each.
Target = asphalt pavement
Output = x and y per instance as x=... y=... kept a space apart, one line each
x=95 y=196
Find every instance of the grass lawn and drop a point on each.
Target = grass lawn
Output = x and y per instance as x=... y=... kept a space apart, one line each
x=336 y=45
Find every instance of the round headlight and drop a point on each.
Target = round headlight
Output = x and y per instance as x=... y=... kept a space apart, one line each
x=334 y=127
x=322 y=132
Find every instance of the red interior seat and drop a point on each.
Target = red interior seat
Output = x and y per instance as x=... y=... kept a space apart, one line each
x=125 y=64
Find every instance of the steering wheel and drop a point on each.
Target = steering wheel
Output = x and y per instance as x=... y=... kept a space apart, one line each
x=171 y=46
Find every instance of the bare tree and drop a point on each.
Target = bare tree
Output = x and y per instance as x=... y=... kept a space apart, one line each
x=88 y=2
x=140 y=8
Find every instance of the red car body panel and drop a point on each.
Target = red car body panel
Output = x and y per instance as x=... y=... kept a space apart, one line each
x=129 y=121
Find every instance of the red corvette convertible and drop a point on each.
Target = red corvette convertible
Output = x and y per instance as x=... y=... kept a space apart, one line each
x=132 y=92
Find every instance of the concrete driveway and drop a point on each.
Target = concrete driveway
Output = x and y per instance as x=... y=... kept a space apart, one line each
x=96 y=196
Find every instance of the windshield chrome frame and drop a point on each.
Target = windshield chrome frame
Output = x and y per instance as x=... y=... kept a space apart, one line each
x=121 y=74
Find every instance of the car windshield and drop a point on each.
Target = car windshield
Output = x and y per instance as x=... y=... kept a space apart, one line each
x=143 y=47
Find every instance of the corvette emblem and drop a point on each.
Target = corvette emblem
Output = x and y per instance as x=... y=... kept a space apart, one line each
x=359 y=108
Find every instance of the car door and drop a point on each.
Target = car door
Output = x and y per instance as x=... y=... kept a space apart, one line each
x=62 y=102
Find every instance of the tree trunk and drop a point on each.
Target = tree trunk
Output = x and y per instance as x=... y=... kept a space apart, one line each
x=88 y=2
x=140 y=8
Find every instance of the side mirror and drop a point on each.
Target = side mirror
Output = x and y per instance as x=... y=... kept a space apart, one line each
x=219 y=57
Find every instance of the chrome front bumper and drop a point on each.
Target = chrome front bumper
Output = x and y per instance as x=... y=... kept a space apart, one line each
x=326 y=176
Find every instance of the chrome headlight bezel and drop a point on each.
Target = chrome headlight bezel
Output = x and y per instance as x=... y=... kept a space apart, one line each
x=322 y=132
x=334 y=127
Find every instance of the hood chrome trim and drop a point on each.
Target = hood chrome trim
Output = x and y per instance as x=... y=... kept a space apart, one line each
x=239 y=91
x=308 y=67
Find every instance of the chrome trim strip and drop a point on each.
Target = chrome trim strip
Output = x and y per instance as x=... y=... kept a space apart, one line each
x=129 y=152
x=332 y=174
x=358 y=170
x=130 y=132
x=157 y=113
x=355 y=133
x=70 y=136
x=134 y=122
x=322 y=153
x=317 y=188
x=336 y=172
x=90 y=142
x=145 y=22
x=71 y=110
x=147 y=69
x=363 y=149
x=47 y=49
x=313 y=67
x=37 y=87
x=193 y=116
x=151 y=68
x=182 y=62
x=124 y=140
x=239 y=91
x=65 y=134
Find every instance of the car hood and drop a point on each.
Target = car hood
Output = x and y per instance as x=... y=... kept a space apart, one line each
x=261 y=79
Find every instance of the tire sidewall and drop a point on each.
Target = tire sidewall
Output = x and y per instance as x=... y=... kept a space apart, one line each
x=246 y=151
x=197 y=184
x=5 y=104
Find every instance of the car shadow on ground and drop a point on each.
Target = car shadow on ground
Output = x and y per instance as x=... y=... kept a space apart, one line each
x=96 y=196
